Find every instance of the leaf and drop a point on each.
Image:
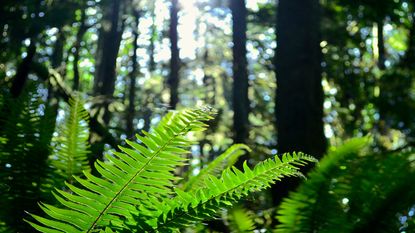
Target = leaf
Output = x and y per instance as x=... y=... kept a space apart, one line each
x=240 y=220
x=71 y=144
x=216 y=194
x=223 y=161
x=127 y=180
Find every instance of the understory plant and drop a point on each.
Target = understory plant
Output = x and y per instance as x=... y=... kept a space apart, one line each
x=70 y=146
x=26 y=128
x=354 y=190
x=137 y=188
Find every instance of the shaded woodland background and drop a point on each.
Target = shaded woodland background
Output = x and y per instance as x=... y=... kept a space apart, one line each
x=287 y=75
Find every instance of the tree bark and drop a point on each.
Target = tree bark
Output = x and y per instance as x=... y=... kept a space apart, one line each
x=240 y=101
x=23 y=70
x=77 y=47
x=381 y=44
x=57 y=64
x=299 y=95
x=133 y=74
x=409 y=57
x=112 y=27
x=173 y=80
x=152 y=63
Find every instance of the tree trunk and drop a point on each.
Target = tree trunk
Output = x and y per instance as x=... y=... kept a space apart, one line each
x=173 y=80
x=57 y=64
x=112 y=27
x=299 y=97
x=57 y=55
x=133 y=74
x=77 y=47
x=22 y=71
x=408 y=59
x=240 y=101
x=381 y=44
x=152 y=63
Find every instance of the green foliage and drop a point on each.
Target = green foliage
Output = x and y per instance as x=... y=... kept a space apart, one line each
x=190 y=207
x=136 y=190
x=241 y=220
x=352 y=191
x=70 y=145
x=215 y=168
x=25 y=135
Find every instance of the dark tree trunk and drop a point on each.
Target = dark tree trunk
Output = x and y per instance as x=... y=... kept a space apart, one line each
x=240 y=101
x=152 y=63
x=77 y=47
x=208 y=81
x=133 y=74
x=173 y=80
x=23 y=70
x=381 y=45
x=112 y=27
x=408 y=61
x=57 y=64
x=57 y=55
x=299 y=97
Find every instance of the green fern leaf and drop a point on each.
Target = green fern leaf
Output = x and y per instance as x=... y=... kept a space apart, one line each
x=138 y=176
x=352 y=192
x=294 y=211
x=215 y=168
x=71 y=143
x=240 y=220
x=202 y=204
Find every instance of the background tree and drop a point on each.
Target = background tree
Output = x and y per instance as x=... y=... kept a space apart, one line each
x=299 y=99
x=112 y=26
x=240 y=101
x=173 y=80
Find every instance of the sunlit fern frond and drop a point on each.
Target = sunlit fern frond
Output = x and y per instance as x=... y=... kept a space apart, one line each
x=203 y=204
x=215 y=168
x=142 y=171
x=240 y=220
x=25 y=135
x=71 y=143
x=352 y=192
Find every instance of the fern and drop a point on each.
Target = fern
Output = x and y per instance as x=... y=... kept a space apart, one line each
x=240 y=220
x=71 y=143
x=136 y=191
x=128 y=178
x=25 y=135
x=202 y=204
x=352 y=192
x=214 y=168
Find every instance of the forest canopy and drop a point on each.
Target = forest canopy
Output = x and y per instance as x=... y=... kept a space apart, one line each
x=206 y=115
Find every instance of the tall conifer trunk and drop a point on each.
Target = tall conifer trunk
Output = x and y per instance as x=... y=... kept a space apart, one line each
x=112 y=27
x=381 y=44
x=240 y=101
x=132 y=87
x=76 y=55
x=173 y=80
x=23 y=70
x=299 y=97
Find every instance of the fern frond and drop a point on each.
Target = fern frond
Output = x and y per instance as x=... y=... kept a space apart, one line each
x=215 y=168
x=351 y=192
x=26 y=132
x=202 y=204
x=131 y=178
x=240 y=220
x=71 y=143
